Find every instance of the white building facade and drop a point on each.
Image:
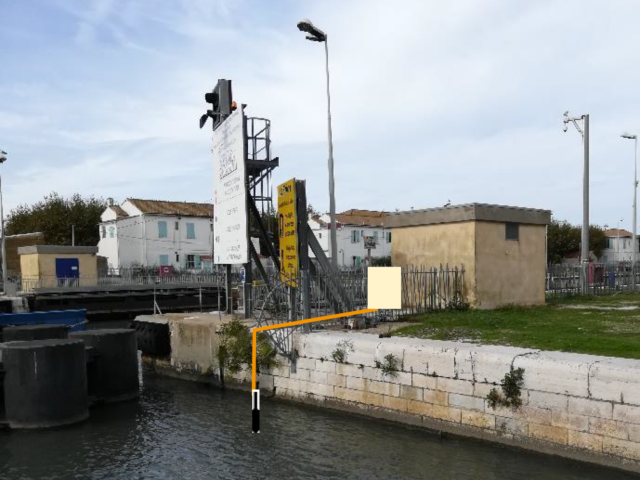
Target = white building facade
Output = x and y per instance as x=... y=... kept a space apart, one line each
x=157 y=233
x=619 y=246
x=352 y=228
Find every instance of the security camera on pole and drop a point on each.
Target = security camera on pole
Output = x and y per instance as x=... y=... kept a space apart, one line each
x=585 y=193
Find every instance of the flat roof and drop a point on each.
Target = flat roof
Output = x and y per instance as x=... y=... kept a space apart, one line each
x=56 y=249
x=466 y=213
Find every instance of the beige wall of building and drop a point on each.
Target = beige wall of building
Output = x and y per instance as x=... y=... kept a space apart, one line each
x=29 y=265
x=433 y=245
x=498 y=271
x=88 y=264
x=38 y=265
x=509 y=271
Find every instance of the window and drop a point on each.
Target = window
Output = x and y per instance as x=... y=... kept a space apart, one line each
x=177 y=258
x=191 y=261
x=164 y=260
x=104 y=232
x=177 y=225
x=388 y=237
x=355 y=236
x=375 y=237
x=162 y=229
x=191 y=231
x=512 y=231
x=112 y=231
x=320 y=235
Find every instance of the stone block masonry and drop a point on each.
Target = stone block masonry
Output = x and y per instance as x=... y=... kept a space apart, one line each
x=579 y=406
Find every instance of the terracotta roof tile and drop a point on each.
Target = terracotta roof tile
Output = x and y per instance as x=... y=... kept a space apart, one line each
x=119 y=211
x=161 y=207
x=369 y=218
x=614 y=232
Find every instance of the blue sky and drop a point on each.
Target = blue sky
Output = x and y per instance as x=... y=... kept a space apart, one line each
x=432 y=101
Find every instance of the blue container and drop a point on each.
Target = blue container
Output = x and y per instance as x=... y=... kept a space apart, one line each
x=76 y=320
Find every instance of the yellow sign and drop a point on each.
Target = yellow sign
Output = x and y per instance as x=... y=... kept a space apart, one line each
x=288 y=232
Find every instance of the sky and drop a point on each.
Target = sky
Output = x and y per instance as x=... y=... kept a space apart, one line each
x=432 y=101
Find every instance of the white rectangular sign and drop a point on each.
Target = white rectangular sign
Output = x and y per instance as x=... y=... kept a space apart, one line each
x=231 y=239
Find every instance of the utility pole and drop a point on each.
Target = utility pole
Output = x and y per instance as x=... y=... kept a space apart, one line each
x=73 y=235
x=3 y=158
x=634 y=255
x=585 y=193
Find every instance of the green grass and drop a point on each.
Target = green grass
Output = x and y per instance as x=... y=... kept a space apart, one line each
x=581 y=325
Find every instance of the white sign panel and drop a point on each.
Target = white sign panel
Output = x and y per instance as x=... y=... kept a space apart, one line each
x=231 y=239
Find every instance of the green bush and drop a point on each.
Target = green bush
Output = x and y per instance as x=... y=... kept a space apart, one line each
x=235 y=351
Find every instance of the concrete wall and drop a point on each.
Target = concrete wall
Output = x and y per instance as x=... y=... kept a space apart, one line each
x=29 y=266
x=510 y=271
x=578 y=406
x=435 y=245
x=88 y=264
x=16 y=241
x=497 y=271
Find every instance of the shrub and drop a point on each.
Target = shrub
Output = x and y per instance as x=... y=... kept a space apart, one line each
x=511 y=390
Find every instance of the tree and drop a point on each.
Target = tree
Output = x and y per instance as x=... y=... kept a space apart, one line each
x=54 y=216
x=312 y=211
x=564 y=238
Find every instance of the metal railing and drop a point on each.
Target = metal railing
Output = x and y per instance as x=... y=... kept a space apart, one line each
x=30 y=284
x=564 y=280
x=423 y=290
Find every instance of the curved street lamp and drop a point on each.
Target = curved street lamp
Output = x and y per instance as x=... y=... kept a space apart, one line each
x=314 y=34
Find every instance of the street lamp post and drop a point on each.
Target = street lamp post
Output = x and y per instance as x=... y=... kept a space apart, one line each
x=3 y=158
x=634 y=255
x=585 y=192
x=314 y=34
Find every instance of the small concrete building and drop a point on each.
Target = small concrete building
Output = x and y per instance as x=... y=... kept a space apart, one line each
x=48 y=266
x=14 y=242
x=503 y=249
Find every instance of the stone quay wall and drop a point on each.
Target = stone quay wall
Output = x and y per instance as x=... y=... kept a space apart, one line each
x=579 y=406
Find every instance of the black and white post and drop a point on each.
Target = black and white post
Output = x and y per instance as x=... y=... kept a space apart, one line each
x=255 y=411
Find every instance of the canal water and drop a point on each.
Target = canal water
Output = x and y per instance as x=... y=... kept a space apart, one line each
x=180 y=430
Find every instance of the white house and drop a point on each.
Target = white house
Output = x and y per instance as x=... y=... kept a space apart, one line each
x=352 y=228
x=155 y=232
x=618 y=246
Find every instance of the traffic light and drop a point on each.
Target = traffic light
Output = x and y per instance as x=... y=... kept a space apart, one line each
x=221 y=102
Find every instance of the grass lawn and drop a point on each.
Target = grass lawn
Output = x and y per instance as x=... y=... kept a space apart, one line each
x=608 y=325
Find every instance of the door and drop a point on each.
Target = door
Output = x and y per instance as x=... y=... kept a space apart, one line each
x=67 y=271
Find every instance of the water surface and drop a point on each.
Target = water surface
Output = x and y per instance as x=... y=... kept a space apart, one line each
x=180 y=430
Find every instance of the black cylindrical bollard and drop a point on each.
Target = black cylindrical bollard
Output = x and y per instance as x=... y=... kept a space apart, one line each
x=114 y=375
x=45 y=383
x=34 y=332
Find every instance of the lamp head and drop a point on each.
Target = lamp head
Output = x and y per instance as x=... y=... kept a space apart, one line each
x=314 y=33
x=3 y=156
x=629 y=136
